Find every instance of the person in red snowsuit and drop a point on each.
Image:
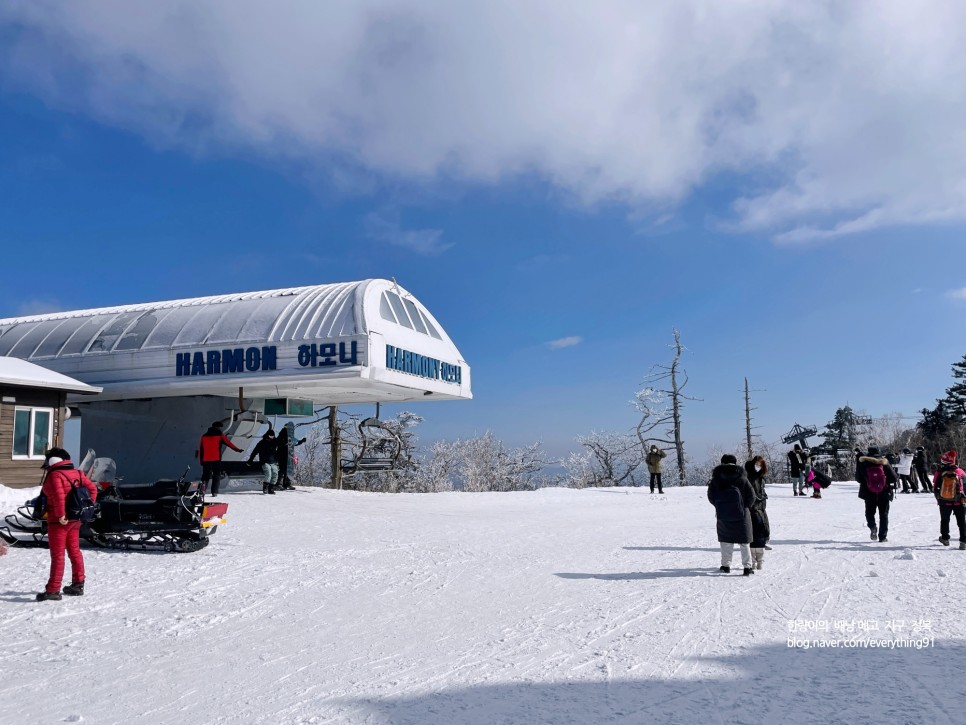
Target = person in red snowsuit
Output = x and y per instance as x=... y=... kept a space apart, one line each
x=63 y=534
x=209 y=455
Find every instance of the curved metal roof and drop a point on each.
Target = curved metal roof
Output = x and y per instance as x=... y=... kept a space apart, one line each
x=352 y=341
x=295 y=313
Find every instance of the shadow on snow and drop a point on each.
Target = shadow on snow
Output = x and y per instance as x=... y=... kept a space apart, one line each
x=766 y=684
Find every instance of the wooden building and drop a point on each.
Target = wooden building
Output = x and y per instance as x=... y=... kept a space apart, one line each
x=33 y=408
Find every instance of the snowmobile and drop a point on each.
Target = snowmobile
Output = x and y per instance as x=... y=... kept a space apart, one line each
x=167 y=515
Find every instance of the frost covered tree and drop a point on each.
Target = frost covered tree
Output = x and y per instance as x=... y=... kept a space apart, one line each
x=402 y=477
x=485 y=464
x=660 y=403
x=612 y=459
x=436 y=471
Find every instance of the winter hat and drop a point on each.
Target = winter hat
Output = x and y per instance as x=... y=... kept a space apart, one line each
x=55 y=456
x=949 y=457
x=906 y=450
x=921 y=448
x=873 y=451
x=728 y=458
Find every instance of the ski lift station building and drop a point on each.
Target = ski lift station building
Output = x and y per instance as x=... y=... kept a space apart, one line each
x=168 y=369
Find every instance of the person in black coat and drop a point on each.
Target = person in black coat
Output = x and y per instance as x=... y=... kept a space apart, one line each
x=755 y=470
x=732 y=496
x=921 y=468
x=798 y=460
x=266 y=450
x=876 y=501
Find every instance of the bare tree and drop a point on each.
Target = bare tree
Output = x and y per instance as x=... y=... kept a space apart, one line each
x=335 y=447
x=748 y=448
x=660 y=407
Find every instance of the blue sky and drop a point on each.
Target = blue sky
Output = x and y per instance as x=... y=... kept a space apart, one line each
x=805 y=234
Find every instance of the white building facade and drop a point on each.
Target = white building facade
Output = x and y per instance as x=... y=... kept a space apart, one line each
x=168 y=369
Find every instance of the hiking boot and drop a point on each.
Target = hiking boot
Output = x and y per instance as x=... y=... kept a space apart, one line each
x=74 y=590
x=883 y=540
x=944 y=540
x=264 y=488
x=724 y=569
x=873 y=533
x=962 y=545
x=660 y=490
x=748 y=571
x=49 y=596
x=271 y=490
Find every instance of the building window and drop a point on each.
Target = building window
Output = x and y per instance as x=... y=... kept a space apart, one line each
x=33 y=429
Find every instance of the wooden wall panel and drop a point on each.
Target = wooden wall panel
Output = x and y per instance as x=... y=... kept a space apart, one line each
x=24 y=474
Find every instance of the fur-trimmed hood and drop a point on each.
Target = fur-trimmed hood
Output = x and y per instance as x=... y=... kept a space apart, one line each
x=873 y=460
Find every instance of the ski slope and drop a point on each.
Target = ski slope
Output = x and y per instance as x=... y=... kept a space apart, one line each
x=554 y=606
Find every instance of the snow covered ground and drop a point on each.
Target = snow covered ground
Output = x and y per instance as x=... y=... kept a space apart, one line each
x=555 y=606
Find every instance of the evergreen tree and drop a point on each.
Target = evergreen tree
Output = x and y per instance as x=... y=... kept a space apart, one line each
x=841 y=431
x=935 y=423
x=955 y=399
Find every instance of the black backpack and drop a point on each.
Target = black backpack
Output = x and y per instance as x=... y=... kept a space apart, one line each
x=79 y=506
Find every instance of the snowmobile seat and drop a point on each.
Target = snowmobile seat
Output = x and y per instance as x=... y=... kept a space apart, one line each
x=150 y=491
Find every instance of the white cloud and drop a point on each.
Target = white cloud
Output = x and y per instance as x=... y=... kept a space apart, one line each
x=385 y=226
x=827 y=119
x=38 y=307
x=957 y=294
x=564 y=342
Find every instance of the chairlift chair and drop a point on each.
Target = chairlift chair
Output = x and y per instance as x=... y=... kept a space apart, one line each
x=379 y=450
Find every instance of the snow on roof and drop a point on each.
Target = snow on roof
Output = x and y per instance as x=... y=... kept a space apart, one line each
x=14 y=371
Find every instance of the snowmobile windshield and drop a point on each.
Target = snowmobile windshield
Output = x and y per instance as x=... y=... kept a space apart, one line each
x=87 y=463
x=103 y=470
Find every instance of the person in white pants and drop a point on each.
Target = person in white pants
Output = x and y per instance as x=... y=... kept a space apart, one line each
x=732 y=496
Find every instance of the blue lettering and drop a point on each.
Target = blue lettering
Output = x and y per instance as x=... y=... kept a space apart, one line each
x=305 y=355
x=327 y=353
x=253 y=359
x=352 y=359
x=214 y=362
x=268 y=358
x=198 y=364
x=183 y=364
x=413 y=363
x=233 y=361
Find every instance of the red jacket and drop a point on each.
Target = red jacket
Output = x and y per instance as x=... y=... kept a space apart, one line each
x=209 y=450
x=57 y=484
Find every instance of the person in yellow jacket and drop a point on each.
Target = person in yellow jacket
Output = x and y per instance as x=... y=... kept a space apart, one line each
x=653 y=460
